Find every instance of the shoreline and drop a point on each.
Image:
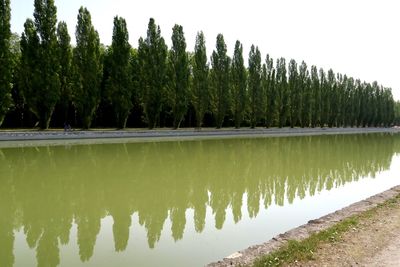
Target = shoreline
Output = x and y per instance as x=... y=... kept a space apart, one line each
x=12 y=138
x=248 y=256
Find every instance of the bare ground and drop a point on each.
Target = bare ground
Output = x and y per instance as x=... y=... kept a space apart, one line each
x=375 y=241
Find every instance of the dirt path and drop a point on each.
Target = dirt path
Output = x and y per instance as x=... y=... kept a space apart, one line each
x=375 y=241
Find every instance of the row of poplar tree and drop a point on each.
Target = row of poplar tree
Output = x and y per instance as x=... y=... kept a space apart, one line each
x=44 y=79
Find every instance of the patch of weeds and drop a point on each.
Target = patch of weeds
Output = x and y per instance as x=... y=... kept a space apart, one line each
x=304 y=250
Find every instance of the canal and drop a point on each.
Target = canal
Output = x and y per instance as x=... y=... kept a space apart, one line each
x=178 y=203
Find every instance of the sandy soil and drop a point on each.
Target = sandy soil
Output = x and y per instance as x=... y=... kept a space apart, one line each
x=373 y=242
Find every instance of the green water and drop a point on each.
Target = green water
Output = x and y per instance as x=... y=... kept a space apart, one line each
x=178 y=203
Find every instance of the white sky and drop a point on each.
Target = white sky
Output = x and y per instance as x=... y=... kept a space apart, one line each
x=360 y=38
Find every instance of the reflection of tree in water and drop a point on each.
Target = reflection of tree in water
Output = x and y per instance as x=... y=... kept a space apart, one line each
x=7 y=213
x=45 y=189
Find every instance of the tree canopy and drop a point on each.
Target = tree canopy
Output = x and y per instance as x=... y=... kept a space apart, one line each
x=44 y=81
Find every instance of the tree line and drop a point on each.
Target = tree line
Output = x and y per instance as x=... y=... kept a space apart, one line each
x=45 y=81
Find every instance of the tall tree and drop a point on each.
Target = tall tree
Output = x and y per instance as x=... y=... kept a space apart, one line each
x=305 y=95
x=200 y=91
x=239 y=84
x=316 y=97
x=29 y=70
x=46 y=21
x=294 y=93
x=220 y=93
x=6 y=68
x=119 y=87
x=65 y=73
x=41 y=86
x=331 y=102
x=178 y=87
x=256 y=96
x=324 y=89
x=87 y=68
x=270 y=93
x=153 y=63
x=283 y=97
x=396 y=113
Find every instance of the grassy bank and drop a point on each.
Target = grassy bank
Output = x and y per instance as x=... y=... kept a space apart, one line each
x=305 y=250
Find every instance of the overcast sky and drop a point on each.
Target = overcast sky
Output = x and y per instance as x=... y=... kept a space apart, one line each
x=360 y=38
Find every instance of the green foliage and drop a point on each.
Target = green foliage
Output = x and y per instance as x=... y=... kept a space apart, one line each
x=152 y=56
x=42 y=70
x=397 y=113
x=283 y=94
x=199 y=90
x=331 y=103
x=6 y=62
x=239 y=85
x=65 y=73
x=220 y=87
x=178 y=70
x=29 y=71
x=304 y=250
x=119 y=85
x=256 y=95
x=324 y=89
x=315 y=104
x=271 y=109
x=135 y=75
x=304 y=87
x=40 y=65
x=87 y=69
x=294 y=94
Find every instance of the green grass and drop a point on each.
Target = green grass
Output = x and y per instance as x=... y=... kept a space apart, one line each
x=304 y=250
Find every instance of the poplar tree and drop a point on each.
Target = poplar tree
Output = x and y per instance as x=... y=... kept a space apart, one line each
x=178 y=84
x=65 y=73
x=40 y=62
x=119 y=87
x=283 y=97
x=200 y=91
x=270 y=93
x=29 y=71
x=340 y=89
x=331 y=102
x=305 y=95
x=388 y=107
x=239 y=84
x=316 y=98
x=220 y=93
x=323 y=89
x=256 y=96
x=294 y=94
x=87 y=68
x=152 y=56
x=6 y=68
x=360 y=96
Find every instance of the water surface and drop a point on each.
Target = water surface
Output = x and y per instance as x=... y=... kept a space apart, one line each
x=178 y=203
